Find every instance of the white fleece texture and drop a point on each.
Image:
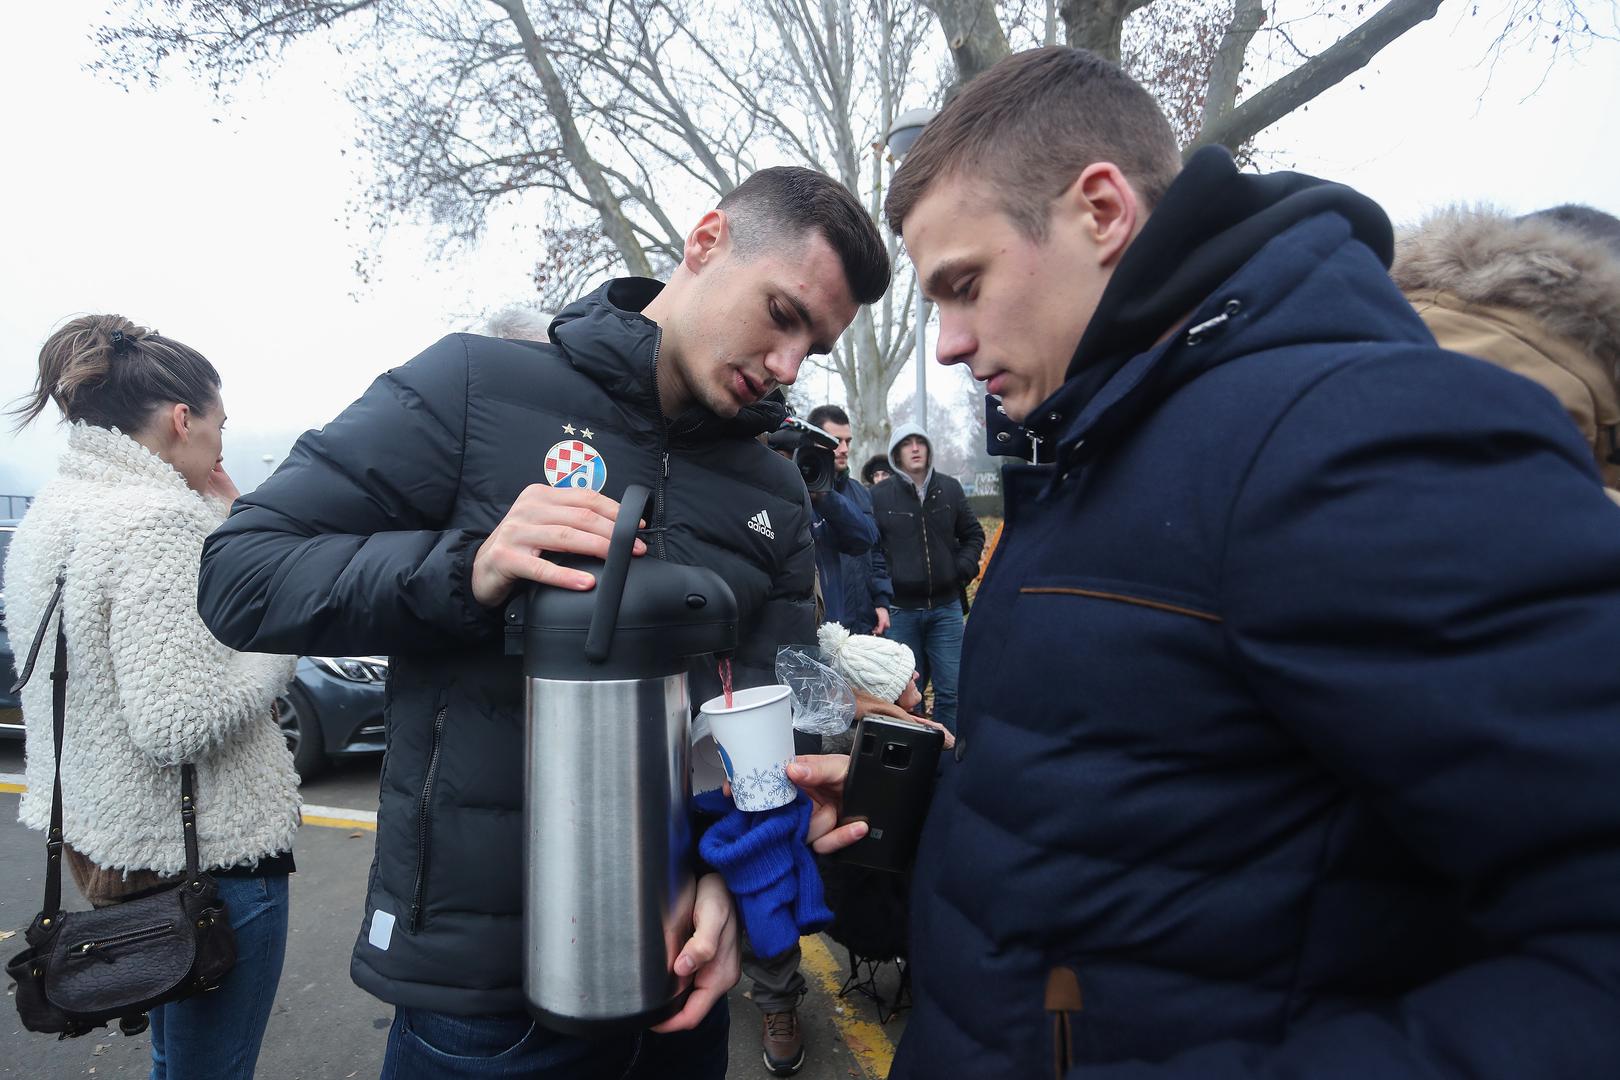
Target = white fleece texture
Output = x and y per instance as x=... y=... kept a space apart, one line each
x=148 y=686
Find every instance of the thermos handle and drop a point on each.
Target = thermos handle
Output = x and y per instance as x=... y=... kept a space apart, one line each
x=610 y=586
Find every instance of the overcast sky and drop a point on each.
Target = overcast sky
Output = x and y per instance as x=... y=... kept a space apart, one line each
x=227 y=227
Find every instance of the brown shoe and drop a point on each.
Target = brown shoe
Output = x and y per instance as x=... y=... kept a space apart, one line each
x=784 y=1044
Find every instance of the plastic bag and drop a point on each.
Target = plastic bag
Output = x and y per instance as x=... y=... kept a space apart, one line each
x=823 y=703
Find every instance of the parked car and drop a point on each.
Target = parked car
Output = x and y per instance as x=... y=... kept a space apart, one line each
x=10 y=703
x=333 y=708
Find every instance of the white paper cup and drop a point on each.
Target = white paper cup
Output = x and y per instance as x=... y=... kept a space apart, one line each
x=755 y=737
x=707 y=771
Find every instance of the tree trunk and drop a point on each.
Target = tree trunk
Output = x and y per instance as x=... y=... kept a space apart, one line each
x=972 y=32
x=615 y=223
x=1098 y=25
x=1224 y=75
x=1329 y=67
x=868 y=403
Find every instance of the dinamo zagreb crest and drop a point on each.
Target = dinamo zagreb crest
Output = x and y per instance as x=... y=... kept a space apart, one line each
x=575 y=464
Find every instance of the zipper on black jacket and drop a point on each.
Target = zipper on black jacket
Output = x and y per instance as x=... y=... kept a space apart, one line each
x=422 y=820
x=658 y=505
x=928 y=560
x=657 y=522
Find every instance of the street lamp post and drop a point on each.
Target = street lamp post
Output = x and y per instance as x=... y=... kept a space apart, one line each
x=899 y=140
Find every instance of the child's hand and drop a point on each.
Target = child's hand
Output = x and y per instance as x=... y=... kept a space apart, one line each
x=821 y=776
x=867 y=705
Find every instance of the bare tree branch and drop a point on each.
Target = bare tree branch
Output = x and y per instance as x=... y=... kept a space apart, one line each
x=1221 y=96
x=614 y=222
x=1350 y=53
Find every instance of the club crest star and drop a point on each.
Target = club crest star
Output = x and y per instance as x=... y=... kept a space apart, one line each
x=587 y=433
x=568 y=429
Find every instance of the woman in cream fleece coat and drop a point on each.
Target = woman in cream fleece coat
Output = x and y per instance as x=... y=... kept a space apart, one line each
x=149 y=688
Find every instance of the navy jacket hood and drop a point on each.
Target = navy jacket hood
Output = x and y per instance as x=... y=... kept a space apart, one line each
x=1211 y=221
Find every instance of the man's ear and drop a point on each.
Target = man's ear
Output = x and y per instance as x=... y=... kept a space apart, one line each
x=710 y=237
x=1107 y=209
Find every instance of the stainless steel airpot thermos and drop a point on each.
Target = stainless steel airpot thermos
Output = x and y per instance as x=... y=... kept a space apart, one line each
x=608 y=873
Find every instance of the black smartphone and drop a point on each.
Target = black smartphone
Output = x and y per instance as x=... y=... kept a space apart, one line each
x=892 y=766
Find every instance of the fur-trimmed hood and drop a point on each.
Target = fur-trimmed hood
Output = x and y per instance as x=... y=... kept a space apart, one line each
x=1483 y=256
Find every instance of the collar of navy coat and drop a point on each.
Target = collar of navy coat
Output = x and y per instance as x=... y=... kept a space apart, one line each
x=1216 y=242
x=1271 y=303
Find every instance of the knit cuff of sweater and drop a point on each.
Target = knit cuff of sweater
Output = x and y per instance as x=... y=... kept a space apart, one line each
x=763 y=857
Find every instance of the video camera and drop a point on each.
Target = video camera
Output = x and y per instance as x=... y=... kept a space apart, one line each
x=811 y=449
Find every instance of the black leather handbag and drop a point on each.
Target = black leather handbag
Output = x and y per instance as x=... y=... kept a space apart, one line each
x=83 y=969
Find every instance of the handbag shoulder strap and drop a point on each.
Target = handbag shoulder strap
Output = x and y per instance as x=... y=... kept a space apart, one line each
x=53 y=838
x=39 y=635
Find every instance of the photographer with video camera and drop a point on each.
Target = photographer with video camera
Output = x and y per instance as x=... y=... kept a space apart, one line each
x=838 y=523
x=868 y=592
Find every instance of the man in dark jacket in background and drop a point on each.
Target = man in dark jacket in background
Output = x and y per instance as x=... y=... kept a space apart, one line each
x=403 y=526
x=864 y=575
x=1288 y=734
x=932 y=541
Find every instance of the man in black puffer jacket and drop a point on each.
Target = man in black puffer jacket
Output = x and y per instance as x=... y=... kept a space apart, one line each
x=932 y=541
x=403 y=526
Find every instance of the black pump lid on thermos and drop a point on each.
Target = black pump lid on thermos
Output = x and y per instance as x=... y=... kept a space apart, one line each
x=644 y=619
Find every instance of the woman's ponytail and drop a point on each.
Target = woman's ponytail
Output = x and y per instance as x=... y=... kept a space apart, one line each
x=106 y=371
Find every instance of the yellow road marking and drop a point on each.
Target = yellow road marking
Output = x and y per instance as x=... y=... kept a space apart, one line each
x=339 y=823
x=867 y=1041
x=332 y=818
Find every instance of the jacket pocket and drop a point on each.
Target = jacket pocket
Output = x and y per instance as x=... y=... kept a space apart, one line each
x=899 y=525
x=1136 y=594
x=424 y=821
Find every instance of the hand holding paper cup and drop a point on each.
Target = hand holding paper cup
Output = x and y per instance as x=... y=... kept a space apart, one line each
x=755 y=736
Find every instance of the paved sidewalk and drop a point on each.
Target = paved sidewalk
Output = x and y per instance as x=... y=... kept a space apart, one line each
x=325 y=1028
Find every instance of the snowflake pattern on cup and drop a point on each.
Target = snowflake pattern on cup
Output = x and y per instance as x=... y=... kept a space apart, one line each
x=763 y=789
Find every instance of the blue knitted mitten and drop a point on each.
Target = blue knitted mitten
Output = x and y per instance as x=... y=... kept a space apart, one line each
x=768 y=867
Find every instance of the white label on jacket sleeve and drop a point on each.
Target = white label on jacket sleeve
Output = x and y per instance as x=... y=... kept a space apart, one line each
x=382 y=929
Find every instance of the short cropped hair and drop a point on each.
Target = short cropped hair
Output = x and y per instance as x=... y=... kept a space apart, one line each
x=822 y=414
x=1029 y=126
x=787 y=202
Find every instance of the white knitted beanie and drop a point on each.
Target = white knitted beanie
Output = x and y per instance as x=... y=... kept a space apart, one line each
x=876 y=665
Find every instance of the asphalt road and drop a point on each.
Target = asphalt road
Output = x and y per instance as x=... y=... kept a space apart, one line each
x=325 y=1028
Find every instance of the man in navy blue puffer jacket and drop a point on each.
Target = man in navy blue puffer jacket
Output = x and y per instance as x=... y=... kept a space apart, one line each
x=1289 y=728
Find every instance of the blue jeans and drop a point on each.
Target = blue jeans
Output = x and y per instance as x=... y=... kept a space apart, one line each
x=216 y=1036
x=426 y=1045
x=934 y=636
